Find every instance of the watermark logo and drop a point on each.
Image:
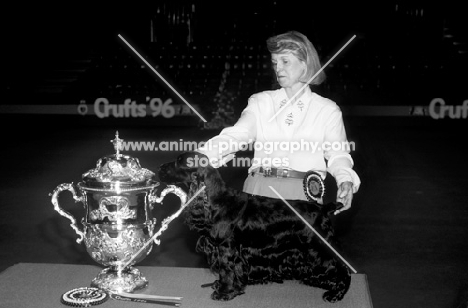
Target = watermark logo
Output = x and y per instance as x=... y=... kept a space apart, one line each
x=223 y=147
x=247 y=162
x=277 y=152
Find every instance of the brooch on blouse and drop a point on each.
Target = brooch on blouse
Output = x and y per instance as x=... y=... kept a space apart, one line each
x=300 y=104
x=289 y=119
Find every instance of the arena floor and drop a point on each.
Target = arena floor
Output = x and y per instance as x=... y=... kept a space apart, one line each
x=406 y=231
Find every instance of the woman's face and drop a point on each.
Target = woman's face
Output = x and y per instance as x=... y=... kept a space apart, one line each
x=288 y=68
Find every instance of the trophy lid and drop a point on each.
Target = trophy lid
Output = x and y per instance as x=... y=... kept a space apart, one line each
x=118 y=170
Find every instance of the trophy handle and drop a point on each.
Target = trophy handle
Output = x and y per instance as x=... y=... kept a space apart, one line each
x=155 y=199
x=169 y=189
x=54 y=195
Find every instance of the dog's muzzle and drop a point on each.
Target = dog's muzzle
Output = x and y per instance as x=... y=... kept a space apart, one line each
x=166 y=172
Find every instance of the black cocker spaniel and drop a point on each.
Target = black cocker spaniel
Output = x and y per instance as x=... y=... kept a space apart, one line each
x=249 y=239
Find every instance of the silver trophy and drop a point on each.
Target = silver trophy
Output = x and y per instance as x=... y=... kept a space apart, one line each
x=118 y=196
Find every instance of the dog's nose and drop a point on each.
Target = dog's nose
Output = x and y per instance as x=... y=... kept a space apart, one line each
x=162 y=167
x=162 y=172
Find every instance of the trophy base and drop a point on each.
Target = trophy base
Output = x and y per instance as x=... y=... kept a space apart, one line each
x=127 y=280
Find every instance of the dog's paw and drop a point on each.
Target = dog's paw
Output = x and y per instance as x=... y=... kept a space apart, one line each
x=215 y=285
x=225 y=296
x=333 y=296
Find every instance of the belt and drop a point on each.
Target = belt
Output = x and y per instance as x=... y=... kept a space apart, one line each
x=280 y=173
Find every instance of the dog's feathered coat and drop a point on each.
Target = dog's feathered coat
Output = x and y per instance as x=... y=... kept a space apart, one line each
x=251 y=239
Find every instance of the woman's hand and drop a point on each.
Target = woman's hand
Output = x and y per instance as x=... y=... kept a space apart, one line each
x=344 y=196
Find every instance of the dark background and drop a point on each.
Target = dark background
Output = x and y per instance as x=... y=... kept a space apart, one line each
x=400 y=52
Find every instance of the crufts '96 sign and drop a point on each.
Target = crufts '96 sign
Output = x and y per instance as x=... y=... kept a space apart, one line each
x=153 y=107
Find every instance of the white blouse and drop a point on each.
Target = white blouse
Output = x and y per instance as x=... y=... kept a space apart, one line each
x=308 y=134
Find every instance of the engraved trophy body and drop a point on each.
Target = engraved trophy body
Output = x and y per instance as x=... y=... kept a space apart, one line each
x=118 y=196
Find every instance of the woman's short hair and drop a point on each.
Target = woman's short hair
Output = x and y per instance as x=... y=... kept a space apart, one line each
x=300 y=46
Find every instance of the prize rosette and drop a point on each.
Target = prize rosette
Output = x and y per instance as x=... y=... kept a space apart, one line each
x=84 y=297
x=314 y=187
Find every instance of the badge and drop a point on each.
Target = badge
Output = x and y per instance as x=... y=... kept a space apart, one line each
x=84 y=297
x=314 y=187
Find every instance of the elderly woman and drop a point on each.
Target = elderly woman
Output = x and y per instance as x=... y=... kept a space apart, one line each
x=292 y=130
